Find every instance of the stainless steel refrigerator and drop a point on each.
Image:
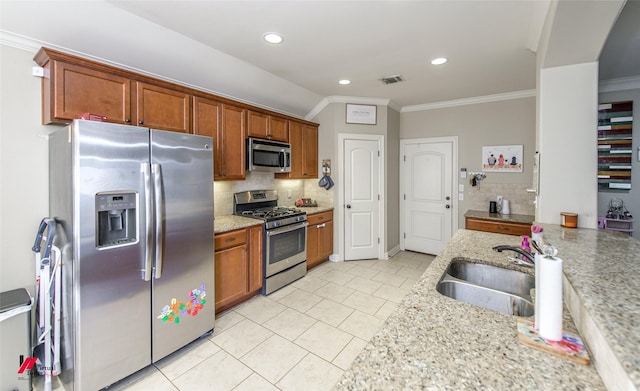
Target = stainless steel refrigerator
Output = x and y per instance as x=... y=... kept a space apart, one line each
x=134 y=208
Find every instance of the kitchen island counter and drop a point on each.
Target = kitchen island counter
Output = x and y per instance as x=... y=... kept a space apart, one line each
x=434 y=342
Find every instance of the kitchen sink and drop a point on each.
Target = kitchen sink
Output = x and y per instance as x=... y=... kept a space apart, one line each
x=506 y=280
x=494 y=288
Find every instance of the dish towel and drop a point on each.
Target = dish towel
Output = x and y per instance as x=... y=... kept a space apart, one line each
x=326 y=182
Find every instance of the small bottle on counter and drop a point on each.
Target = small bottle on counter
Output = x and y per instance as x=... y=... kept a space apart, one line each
x=525 y=244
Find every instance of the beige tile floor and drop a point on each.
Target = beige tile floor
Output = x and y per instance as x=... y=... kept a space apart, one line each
x=302 y=337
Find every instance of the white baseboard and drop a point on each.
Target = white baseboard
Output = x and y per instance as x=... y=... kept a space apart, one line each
x=392 y=252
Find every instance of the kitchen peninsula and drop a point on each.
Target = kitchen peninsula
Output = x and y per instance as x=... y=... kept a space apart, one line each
x=435 y=342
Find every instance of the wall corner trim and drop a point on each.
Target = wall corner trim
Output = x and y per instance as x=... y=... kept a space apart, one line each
x=348 y=99
x=621 y=84
x=471 y=101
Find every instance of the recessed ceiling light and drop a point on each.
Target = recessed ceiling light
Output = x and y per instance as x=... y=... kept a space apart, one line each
x=344 y=82
x=273 y=38
x=438 y=61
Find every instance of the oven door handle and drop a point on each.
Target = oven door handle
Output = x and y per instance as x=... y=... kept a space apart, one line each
x=289 y=228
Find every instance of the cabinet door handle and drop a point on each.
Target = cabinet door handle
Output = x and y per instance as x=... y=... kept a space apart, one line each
x=127 y=120
x=141 y=122
x=321 y=225
x=229 y=240
x=501 y=228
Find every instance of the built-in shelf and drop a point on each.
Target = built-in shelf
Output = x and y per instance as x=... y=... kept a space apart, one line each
x=615 y=152
x=621 y=225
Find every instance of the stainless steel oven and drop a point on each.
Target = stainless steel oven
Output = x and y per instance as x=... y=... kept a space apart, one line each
x=284 y=233
x=285 y=247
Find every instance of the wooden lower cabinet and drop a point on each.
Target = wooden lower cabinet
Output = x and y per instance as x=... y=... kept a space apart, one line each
x=319 y=238
x=238 y=266
x=256 y=253
x=498 y=227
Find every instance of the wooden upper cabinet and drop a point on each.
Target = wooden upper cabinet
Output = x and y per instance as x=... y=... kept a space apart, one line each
x=73 y=89
x=206 y=122
x=162 y=108
x=279 y=128
x=304 y=151
x=310 y=142
x=265 y=126
x=232 y=143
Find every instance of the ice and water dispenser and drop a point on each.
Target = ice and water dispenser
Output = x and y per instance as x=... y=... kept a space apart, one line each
x=117 y=218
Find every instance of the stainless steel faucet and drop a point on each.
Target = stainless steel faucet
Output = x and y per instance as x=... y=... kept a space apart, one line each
x=518 y=250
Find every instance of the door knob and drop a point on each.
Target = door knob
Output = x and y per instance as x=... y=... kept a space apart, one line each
x=447 y=198
x=447 y=206
x=348 y=206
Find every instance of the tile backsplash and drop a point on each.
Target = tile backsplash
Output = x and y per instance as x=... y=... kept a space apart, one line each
x=298 y=188
x=520 y=202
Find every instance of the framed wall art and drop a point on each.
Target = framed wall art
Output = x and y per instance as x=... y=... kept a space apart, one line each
x=361 y=114
x=502 y=158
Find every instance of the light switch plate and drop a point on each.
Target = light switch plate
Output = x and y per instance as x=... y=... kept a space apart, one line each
x=460 y=187
x=460 y=196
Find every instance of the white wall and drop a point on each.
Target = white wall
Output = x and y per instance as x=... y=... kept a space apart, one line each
x=567 y=132
x=332 y=120
x=24 y=175
x=508 y=122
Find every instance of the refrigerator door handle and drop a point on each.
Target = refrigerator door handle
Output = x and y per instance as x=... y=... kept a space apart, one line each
x=158 y=202
x=148 y=205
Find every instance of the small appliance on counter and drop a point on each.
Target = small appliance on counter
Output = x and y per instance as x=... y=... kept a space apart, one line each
x=493 y=207
x=284 y=234
x=506 y=209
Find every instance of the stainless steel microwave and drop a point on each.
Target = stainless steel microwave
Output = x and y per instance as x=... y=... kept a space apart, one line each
x=268 y=156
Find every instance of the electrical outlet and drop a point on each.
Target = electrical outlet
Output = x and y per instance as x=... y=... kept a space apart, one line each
x=499 y=199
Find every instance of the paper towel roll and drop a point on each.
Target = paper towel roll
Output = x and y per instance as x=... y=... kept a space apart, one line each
x=549 y=297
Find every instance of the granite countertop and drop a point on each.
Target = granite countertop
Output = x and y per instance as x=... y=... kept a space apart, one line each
x=227 y=223
x=510 y=218
x=316 y=209
x=434 y=342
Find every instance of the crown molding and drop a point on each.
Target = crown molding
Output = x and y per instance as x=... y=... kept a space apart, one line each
x=621 y=84
x=471 y=101
x=17 y=41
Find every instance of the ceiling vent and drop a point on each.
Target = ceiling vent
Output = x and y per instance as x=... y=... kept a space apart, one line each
x=392 y=79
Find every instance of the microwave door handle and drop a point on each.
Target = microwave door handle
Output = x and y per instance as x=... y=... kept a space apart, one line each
x=281 y=160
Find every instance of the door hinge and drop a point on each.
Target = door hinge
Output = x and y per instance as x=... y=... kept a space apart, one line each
x=378 y=153
x=378 y=240
x=405 y=158
x=404 y=235
x=404 y=196
x=378 y=197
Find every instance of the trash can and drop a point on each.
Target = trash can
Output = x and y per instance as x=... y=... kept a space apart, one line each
x=16 y=363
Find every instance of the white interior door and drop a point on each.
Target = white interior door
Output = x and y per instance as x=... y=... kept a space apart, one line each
x=427 y=195
x=361 y=199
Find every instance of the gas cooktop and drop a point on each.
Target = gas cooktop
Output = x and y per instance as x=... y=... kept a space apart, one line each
x=263 y=204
